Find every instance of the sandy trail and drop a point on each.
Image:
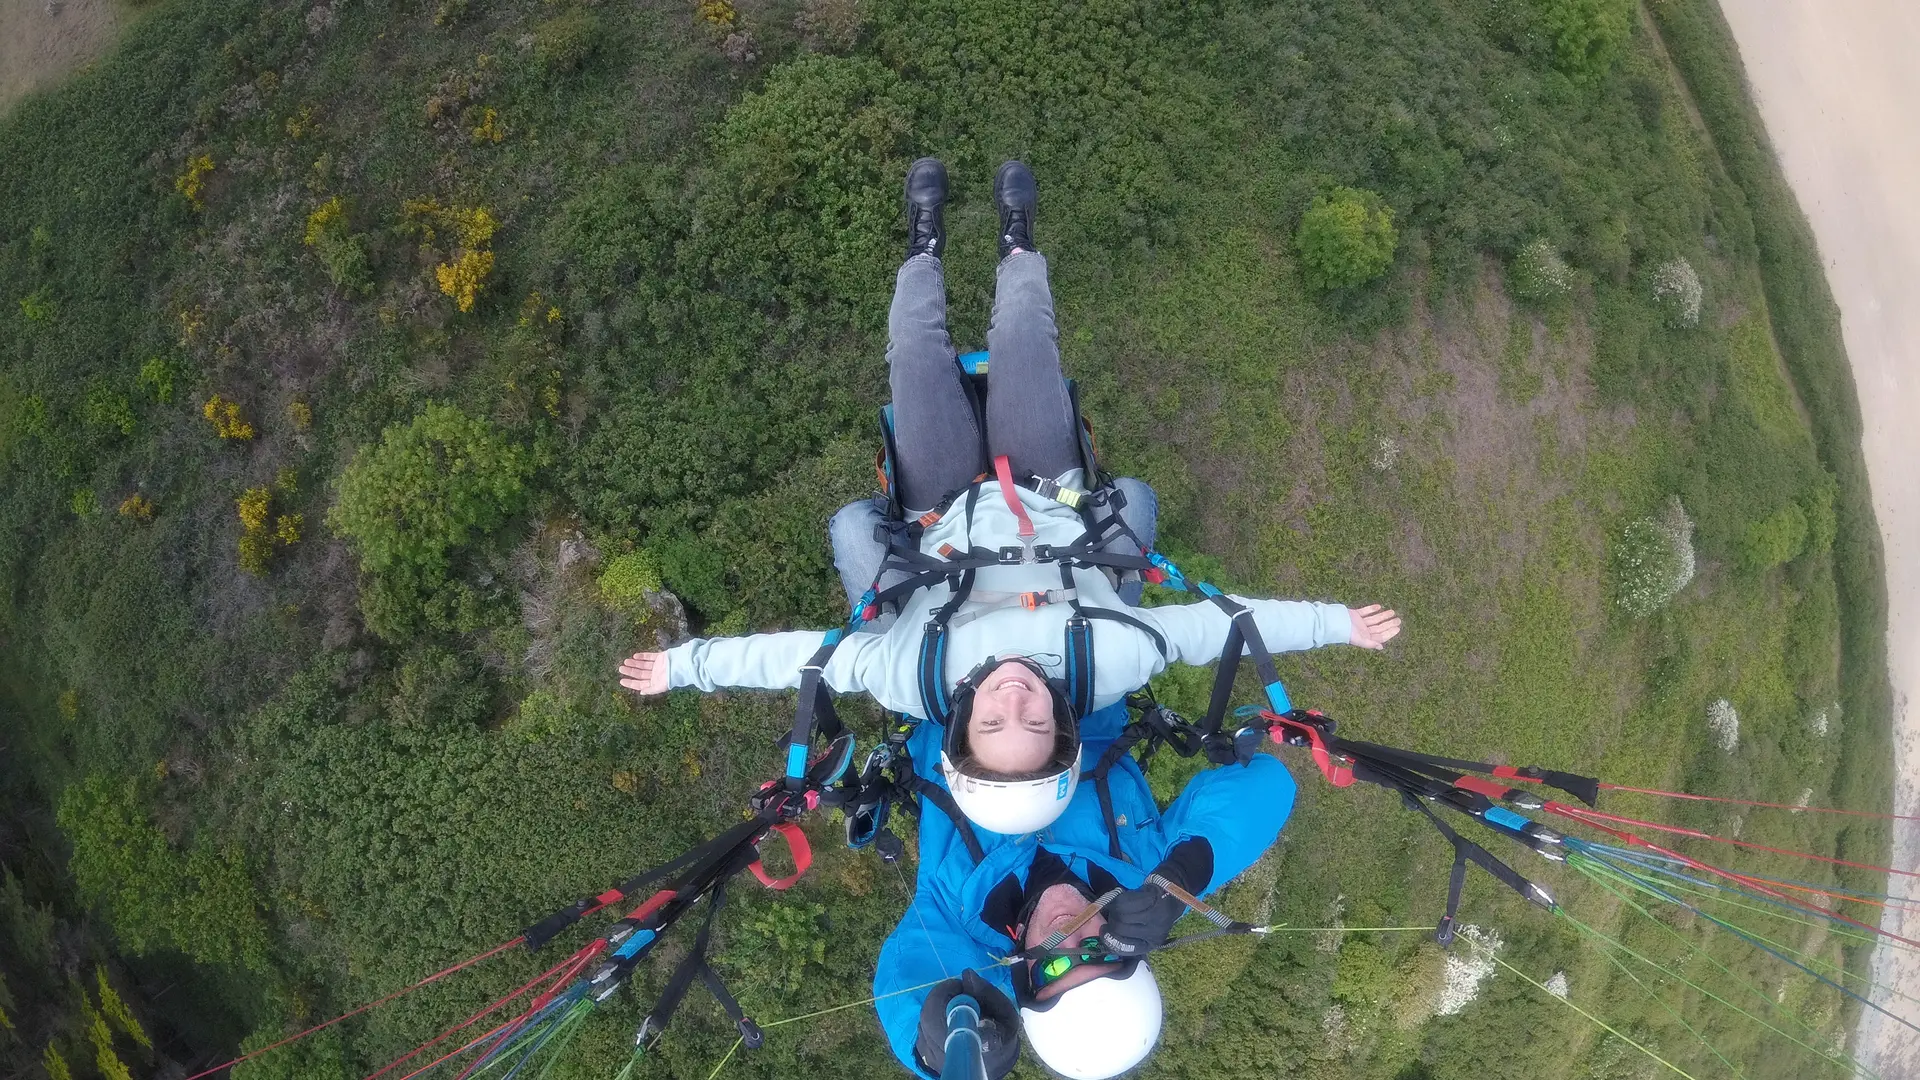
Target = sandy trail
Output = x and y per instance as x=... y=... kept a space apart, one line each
x=41 y=40
x=1838 y=83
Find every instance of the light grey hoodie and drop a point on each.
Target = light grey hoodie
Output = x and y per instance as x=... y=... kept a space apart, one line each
x=886 y=665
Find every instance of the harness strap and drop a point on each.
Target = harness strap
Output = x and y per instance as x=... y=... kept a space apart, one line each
x=943 y=799
x=996 y=601
x=1003 y=471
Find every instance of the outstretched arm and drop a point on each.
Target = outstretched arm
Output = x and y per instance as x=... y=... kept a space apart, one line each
x=759 y=661
x=1197 y=632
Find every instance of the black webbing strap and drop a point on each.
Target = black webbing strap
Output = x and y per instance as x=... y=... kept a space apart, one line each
x=1080 y=663
x=1584 y=788
x=1243 y=638
x=943 y=799
x=1465 y=851
x=695 y=966
x=550 y=927
x=815 y=711
x=1103 y=786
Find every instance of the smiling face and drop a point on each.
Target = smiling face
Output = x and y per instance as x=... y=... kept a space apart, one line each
x=1011 y=730
x=1056 y=908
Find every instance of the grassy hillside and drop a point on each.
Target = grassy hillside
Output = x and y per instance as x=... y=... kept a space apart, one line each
x=270 y=756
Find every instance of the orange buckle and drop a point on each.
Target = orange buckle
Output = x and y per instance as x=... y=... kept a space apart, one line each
x=1032 y=600
x=948 y=551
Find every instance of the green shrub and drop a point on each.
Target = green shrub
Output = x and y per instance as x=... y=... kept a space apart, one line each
x=200 y=901
x=156 y=375
x=1776 y=540
x=627 y=580
x=1587 y=36
x=429 y=488
x=439 y=688
x=1823 y=520
x=342 y=253
x=1346 y=238
x=107 y=410
x=565 y=41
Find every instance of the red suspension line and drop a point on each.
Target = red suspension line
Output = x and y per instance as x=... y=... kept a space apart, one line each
x=435 y=977
x=1698 y=835
x=578 y=962
x=1749 y=802
x=1753 y=883
x=475 y=1018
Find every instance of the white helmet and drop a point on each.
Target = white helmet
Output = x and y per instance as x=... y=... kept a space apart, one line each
x=1009 y=805
x=1097 y=1029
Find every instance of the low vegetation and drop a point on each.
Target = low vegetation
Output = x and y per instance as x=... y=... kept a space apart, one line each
x=436 y=355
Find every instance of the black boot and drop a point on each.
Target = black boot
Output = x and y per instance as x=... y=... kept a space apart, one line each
x=926 y=200
x=1015 y=192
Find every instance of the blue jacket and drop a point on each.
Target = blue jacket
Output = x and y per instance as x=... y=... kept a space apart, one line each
x=1238 y=809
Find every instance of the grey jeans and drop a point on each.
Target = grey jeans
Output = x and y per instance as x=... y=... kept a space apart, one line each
x=938 y=442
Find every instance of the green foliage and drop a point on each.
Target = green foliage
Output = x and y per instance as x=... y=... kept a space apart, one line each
x=56 y=1064
x=342 y=252
x=156 y=376
x=1774 y=540
x=785 y=940
x=628 y=580
x=411 y=503
x=199 y=901
x=322 y=1056
x=439 y=688
x=564 y=42
x=1586 y=36
x=807 y=171
x=1346 y=238
x=115 y=1009
x=1823 y=521
x=37 y=308
x=108 y=411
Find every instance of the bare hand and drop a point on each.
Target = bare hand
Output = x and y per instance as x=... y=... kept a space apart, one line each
x=646 y=672
x=1373 y=626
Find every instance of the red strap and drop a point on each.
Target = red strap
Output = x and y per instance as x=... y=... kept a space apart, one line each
x=654 y=903
x=1003 y=469
x=1481 y=786
x=1340 y=775
x=802 y=858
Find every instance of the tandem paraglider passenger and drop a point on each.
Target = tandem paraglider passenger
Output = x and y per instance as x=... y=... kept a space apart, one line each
x=1000 y=560
x=997 y=567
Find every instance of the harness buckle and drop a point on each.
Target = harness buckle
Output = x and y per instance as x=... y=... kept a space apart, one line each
x=1032 y=601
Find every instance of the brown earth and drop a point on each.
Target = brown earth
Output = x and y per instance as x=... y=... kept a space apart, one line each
x=43 y=40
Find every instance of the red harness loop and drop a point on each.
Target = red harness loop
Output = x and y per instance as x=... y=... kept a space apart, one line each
x=1003 y=470
x=1339 y=775
x=802 y=858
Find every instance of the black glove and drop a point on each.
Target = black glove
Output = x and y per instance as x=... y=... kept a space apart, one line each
x=1139 y=920
x=999 y=1025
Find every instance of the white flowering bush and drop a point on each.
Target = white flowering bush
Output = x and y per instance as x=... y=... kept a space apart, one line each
x=1470 y=964
x=1557 y=985
x=1723 y=723
x=1539 y=273
x=1822 y=720
x=1386 y=450
x=1653 y=560
x=1677 y=291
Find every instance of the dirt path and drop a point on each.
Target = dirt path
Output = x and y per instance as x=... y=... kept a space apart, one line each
x=41 y=40
x=1839 y=87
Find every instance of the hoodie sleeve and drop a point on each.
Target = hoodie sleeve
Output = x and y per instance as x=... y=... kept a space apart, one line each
x=1197 y=632
x=1236 y=810
x=767 y=661
x=924 y=949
